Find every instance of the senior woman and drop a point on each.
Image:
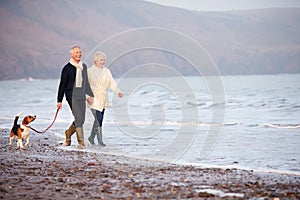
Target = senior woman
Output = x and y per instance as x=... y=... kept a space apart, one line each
x=100 y=79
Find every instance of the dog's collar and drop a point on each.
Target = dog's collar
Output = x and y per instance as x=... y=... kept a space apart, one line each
x=24 y=126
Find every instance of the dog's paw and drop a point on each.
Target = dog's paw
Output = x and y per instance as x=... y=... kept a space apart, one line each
x=20 y=114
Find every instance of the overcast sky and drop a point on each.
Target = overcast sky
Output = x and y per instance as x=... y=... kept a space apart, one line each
x=216 y=5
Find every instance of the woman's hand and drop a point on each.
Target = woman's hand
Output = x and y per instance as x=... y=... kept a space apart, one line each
x=90 y=100
x=120 y=94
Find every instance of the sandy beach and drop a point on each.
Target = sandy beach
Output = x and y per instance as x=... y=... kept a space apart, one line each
x=43 y=171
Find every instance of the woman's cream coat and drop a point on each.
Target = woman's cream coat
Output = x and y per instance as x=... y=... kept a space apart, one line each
x=101 y=80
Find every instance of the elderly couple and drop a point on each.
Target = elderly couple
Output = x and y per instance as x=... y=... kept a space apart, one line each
x=80 y=84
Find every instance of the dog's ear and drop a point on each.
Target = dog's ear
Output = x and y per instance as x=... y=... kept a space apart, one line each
x=25 y=120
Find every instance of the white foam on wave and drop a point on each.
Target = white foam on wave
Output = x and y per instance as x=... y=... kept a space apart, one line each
x=108 y=150
x=170 y=123
x=282 y=126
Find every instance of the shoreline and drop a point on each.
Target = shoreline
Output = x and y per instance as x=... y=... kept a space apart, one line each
x=196 y=165
x=45 y=171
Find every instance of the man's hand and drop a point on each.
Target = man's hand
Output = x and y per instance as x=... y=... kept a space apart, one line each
x=59 y=105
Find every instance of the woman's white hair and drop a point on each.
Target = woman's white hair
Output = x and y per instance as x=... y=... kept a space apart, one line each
x=99 y=55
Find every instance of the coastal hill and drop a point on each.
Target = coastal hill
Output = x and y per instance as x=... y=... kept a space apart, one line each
x=36 y=35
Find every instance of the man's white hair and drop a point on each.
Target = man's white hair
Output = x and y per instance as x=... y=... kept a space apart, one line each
x=74 y=47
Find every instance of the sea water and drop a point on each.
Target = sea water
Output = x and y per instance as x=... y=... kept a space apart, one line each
x=255 y=124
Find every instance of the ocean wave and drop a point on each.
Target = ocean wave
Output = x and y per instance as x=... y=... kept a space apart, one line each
x=30 y=79
x=196 y=103
x=293 y=107
x=208 y=104
x=170 y=123
x=283 y=126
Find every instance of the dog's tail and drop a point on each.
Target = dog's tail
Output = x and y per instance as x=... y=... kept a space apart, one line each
x=15 y=125
x=18 y=115
x=16 y=119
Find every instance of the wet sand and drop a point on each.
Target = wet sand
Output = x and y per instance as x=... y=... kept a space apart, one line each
x=43 y=171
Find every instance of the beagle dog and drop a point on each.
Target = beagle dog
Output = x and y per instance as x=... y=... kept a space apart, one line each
x=21 y=130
